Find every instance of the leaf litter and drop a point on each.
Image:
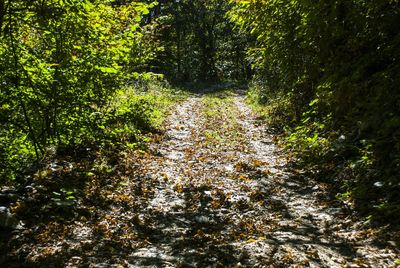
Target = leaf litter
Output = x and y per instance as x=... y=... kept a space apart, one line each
x=212 y=191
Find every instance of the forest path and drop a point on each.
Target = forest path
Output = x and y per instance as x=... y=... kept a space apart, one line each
x=214 y=191
x=224 y=198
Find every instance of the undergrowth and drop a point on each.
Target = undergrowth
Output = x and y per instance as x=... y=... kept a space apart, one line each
x=330 y=151
x=133 y=113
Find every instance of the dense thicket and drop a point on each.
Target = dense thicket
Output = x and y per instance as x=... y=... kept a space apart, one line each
x=60 y=64
x=330 y=70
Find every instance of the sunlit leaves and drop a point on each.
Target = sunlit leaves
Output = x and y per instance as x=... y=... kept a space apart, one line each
x=61 y=61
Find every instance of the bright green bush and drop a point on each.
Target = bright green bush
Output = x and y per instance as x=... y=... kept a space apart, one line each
x=60 y=64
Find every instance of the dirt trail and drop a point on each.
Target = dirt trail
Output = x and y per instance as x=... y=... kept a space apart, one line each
x=223 y=198
x=215 y=191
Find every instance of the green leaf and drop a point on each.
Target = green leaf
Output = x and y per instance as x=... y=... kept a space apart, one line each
x=108 y=70
x=313 y=102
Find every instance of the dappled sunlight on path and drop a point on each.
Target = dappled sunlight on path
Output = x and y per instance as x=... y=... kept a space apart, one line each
x=223 y=197
x=213 y=191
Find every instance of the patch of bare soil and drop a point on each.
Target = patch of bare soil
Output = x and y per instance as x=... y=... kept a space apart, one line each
x=215 y=191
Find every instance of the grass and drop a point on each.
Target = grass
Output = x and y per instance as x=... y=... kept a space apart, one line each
x=220 y=114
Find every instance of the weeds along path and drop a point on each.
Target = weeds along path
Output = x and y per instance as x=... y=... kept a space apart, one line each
x=214 y=191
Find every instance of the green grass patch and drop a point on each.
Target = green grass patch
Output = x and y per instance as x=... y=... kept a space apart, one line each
x=220 y=113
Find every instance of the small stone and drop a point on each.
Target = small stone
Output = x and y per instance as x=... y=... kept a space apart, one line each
x=7 y=220
x=202 y=219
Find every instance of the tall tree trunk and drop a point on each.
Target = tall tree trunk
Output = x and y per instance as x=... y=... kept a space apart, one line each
x=178 y=51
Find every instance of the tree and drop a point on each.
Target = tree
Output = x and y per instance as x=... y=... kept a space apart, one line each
x=61 y=61
x=336 y=65
x=199 y=41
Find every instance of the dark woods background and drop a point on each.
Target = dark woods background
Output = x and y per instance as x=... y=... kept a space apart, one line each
x=200 y=42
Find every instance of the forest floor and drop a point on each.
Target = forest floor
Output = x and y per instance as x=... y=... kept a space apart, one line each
x=213 y=190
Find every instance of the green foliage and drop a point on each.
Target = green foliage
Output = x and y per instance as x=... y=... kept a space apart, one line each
x=329 y=74
x=64 y=198
x=61 y=62
x=273 y=107
x=198 y=41
x=327 y=70
x=134 y=112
